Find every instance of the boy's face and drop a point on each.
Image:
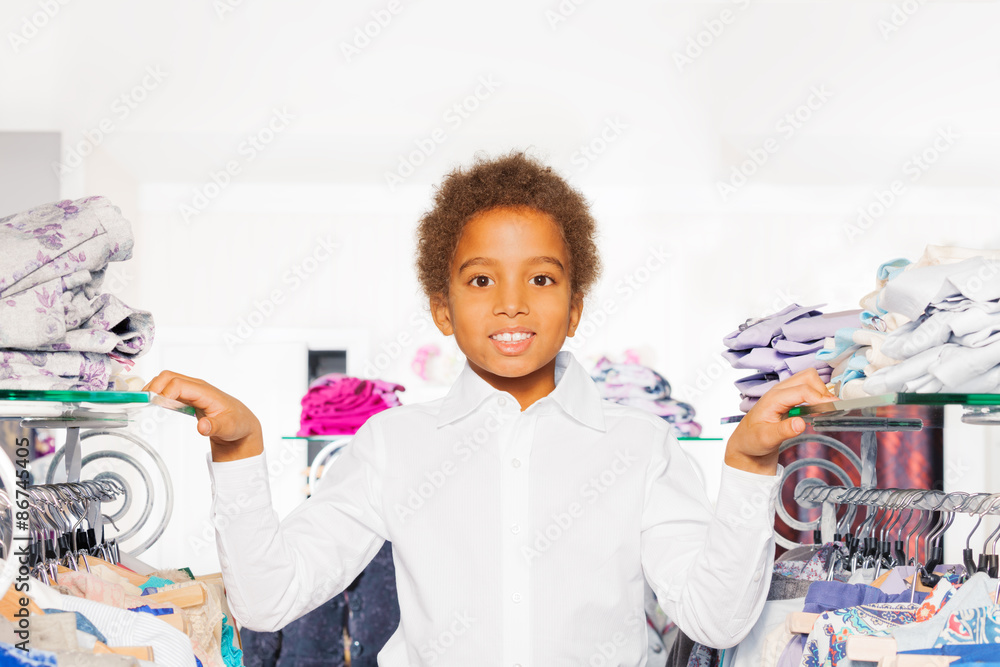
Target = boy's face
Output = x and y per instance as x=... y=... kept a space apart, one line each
x=510 y=280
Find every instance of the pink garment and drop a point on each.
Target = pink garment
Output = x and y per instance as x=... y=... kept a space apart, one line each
x=338 y=404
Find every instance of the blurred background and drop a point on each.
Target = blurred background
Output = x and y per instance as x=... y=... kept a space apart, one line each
x=274 y=158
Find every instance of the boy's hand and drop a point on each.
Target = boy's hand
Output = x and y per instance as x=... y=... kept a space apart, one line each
x=233 y=431
x=754 y=444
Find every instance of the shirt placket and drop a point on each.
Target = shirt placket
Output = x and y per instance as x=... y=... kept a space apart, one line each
x=515 y=448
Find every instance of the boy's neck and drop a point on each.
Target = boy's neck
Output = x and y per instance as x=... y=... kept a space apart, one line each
x=525 y=389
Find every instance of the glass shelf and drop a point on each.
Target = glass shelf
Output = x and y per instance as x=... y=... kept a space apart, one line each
x=81 y=408
x=894 y=412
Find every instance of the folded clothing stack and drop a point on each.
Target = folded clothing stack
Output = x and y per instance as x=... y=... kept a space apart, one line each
x=780 y=345
x=57 y=329
x=951 y=341
x=639 y=386
x=337 y=404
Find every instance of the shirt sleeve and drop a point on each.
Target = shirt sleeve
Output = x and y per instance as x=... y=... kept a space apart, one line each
x=275 y=571
x=710 y=569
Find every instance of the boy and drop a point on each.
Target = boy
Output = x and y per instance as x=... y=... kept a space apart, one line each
x=523 y=511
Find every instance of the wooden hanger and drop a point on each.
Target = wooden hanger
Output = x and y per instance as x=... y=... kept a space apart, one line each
x=11 y=604
x=188 y=596
x=140 y=652
x=800 y=622
x=136 y=580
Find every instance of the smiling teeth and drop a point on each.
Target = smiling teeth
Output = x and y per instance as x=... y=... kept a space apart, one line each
x=511 y=337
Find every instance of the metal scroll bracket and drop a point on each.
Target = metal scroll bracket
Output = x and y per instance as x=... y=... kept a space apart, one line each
x=72 y=447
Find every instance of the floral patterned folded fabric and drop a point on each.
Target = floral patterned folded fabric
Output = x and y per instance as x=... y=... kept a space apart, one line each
x=44 y=371
x=58 y=330
x=59 y=239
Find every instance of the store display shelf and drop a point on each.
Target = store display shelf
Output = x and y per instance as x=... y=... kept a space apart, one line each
x=86 y=408
x=888 y=412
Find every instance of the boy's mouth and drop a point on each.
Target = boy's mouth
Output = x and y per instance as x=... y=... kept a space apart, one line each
x=512 y=341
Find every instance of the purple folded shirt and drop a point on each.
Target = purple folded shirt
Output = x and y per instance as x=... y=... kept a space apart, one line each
x=760 y=332
x=819 y=326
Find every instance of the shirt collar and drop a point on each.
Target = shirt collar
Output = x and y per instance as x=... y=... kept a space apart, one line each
x=575 y=393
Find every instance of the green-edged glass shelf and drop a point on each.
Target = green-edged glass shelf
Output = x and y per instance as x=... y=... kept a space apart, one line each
x=84 y=407
x=889 y=412
x=330 y=438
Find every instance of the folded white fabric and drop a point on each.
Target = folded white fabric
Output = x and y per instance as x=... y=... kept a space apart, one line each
x=912 y=291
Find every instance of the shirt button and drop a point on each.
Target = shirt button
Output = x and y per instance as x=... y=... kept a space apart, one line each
x=355 y=602
x=756 y=577
x=356 y=648
x=501 y=401
x=516 y=463
x=516 y=597
x=515 y=529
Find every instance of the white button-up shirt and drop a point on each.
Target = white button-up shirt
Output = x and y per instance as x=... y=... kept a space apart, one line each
x=519 y=538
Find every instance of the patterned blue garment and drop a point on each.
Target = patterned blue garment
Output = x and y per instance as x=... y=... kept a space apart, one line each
x=826 y=645
x=979 y=625
x=15 y=657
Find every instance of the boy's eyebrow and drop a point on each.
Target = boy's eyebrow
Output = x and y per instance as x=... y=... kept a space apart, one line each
x=486 y=261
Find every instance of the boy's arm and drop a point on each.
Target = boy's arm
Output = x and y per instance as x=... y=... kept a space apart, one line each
x=711 y=568
x=277 y=571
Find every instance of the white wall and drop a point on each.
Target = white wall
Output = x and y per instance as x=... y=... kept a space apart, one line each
x=878 y=97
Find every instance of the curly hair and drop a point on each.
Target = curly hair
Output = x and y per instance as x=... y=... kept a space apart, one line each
x=515 y=180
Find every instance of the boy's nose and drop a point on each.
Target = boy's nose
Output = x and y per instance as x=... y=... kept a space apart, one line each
x=511 y=301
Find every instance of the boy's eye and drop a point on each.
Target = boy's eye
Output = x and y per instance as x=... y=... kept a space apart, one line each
x=482 y=281
x=541 y=280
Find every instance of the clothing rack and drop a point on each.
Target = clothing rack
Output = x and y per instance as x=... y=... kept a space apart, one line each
x=898 y=499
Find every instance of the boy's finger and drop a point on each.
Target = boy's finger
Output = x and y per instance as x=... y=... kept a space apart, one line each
x=185 y=391
x=781 y=399
x=157 y=384
x=774 y=433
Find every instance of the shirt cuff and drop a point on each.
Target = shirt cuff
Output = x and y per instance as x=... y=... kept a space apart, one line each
x=747 y=499
x=239 y=486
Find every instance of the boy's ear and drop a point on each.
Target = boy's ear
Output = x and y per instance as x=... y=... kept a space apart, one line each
x=441 y=314
x=575 y=313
